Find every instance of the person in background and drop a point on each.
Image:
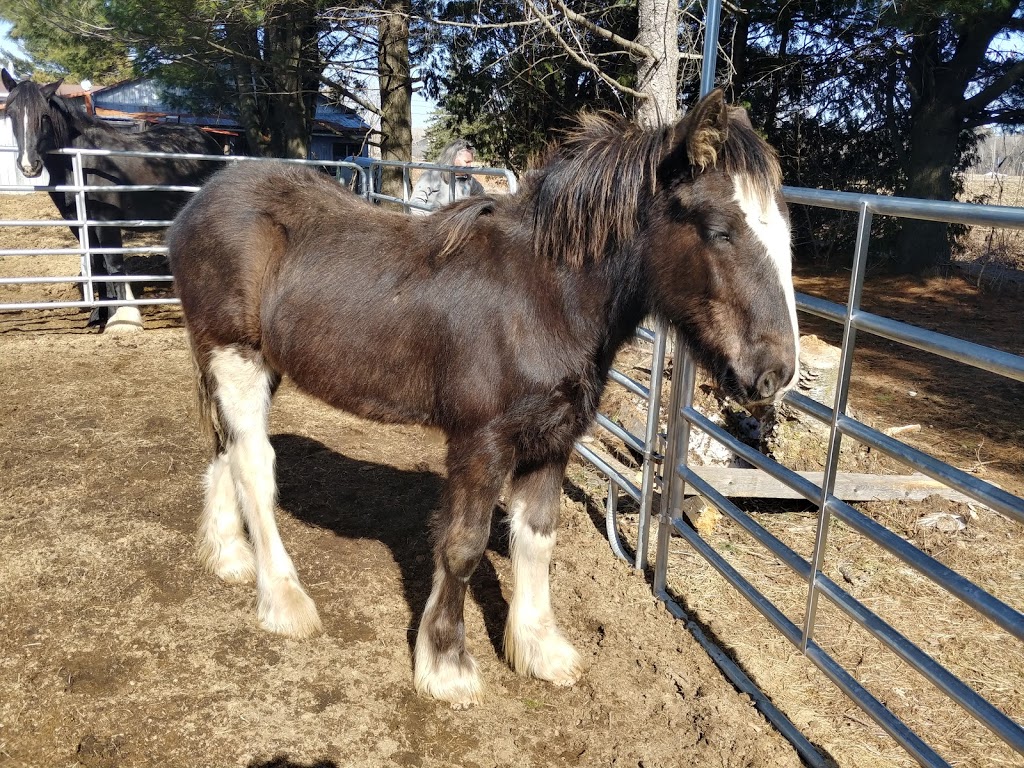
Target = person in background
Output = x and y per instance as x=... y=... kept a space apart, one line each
x=434 y=188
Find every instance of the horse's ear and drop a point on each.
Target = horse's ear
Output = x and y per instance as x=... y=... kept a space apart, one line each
x=50 y=88
x=705 y=129
x=9 y=82
x=741 y=117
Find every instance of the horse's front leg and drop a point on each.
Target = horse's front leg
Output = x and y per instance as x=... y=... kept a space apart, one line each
x=444 y=669
x=533 y=643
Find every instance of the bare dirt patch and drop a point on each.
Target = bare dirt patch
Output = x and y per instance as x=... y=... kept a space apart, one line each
x=118 y=651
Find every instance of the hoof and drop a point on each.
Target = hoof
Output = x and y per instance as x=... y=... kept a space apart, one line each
x=449 y=677
x=286 y=609
x=542 y=652
x=124 y=320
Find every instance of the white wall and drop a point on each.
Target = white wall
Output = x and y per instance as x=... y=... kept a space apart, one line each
x=9 y=173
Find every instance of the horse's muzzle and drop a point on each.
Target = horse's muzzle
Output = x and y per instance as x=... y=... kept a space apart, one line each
x=31 y=171
x=761 y=389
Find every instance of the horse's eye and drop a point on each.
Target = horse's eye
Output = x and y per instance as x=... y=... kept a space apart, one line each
x=719 y=236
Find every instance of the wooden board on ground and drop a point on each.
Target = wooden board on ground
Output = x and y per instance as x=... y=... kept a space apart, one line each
x=744 y=483
x=753 y=483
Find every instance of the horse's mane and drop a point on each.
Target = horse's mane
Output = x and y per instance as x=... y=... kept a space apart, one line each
x=587 y=196
x=457 y=221
x=74 y=119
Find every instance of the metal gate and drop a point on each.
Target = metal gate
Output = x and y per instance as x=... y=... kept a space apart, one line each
x=362 y=175
x=670 y=473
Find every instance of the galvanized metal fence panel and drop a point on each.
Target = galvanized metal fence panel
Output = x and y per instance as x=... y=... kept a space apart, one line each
x=671 y=472
x=683 y=416
x=366 y=169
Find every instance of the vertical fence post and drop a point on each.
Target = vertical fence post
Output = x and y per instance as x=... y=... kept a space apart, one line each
x=78 y=179
x=406 y=186
x=685 y=370
x=835 y=437
x=650 y=469
x=683 y=380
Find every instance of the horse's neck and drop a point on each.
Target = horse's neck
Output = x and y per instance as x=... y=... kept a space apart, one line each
x=75 y=122
x=609 y=307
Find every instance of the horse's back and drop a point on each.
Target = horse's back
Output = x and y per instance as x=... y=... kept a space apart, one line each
x=175 y=139
x=360 y=306
x=238 y=230
x=104 y=170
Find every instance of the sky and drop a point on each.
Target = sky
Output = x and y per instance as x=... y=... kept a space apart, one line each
x=421 y=111
x=421 y=107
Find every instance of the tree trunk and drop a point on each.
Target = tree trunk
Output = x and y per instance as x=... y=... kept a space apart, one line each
x=291 y=106
x=934 y=127
x=251 y=100
x=740 y=45
x=395 y=90
x=658 y=77
x=785 y=29
x=924 y=246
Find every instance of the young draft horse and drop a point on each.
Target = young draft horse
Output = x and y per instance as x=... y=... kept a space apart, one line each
x=43 y=121
x=495 y=320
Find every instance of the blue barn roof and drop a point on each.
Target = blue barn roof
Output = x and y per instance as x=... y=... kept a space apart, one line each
x=148 y=96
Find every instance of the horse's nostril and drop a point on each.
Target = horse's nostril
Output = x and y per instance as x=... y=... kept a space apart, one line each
x=768 y=384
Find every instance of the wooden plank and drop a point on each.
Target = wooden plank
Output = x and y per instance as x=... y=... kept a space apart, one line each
x=753 y=483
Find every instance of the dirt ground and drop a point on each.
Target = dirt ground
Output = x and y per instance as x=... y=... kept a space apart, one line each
x=115 y=650
x=119 y=651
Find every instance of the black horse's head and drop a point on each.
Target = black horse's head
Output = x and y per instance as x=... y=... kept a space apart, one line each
x=30 y=112
x=718 y=243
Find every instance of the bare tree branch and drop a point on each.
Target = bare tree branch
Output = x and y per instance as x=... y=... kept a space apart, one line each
x=585 y=63
x=627 y=45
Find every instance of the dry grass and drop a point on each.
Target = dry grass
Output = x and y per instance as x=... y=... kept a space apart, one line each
x=997 y=253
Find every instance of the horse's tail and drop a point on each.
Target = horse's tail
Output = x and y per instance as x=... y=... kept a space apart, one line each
x=209 y=414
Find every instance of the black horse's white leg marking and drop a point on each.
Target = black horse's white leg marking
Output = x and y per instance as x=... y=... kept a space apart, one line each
x=533 y=643
x=124 y=318
x=243 y=387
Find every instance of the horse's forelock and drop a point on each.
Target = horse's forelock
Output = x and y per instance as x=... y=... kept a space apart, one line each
x=748 y=157
x=29 y=95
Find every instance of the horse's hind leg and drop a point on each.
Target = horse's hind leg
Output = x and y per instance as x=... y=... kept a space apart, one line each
x=224 y=547
x=126 y=318
x=444 y=669
x=243 y=387
x=533 y=643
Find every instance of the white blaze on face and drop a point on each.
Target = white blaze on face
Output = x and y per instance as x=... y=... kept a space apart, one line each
x=24 y=143
x=765 y=219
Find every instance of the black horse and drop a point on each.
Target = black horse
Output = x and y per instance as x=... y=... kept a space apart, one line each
x=43 y=121
x=494 y=320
